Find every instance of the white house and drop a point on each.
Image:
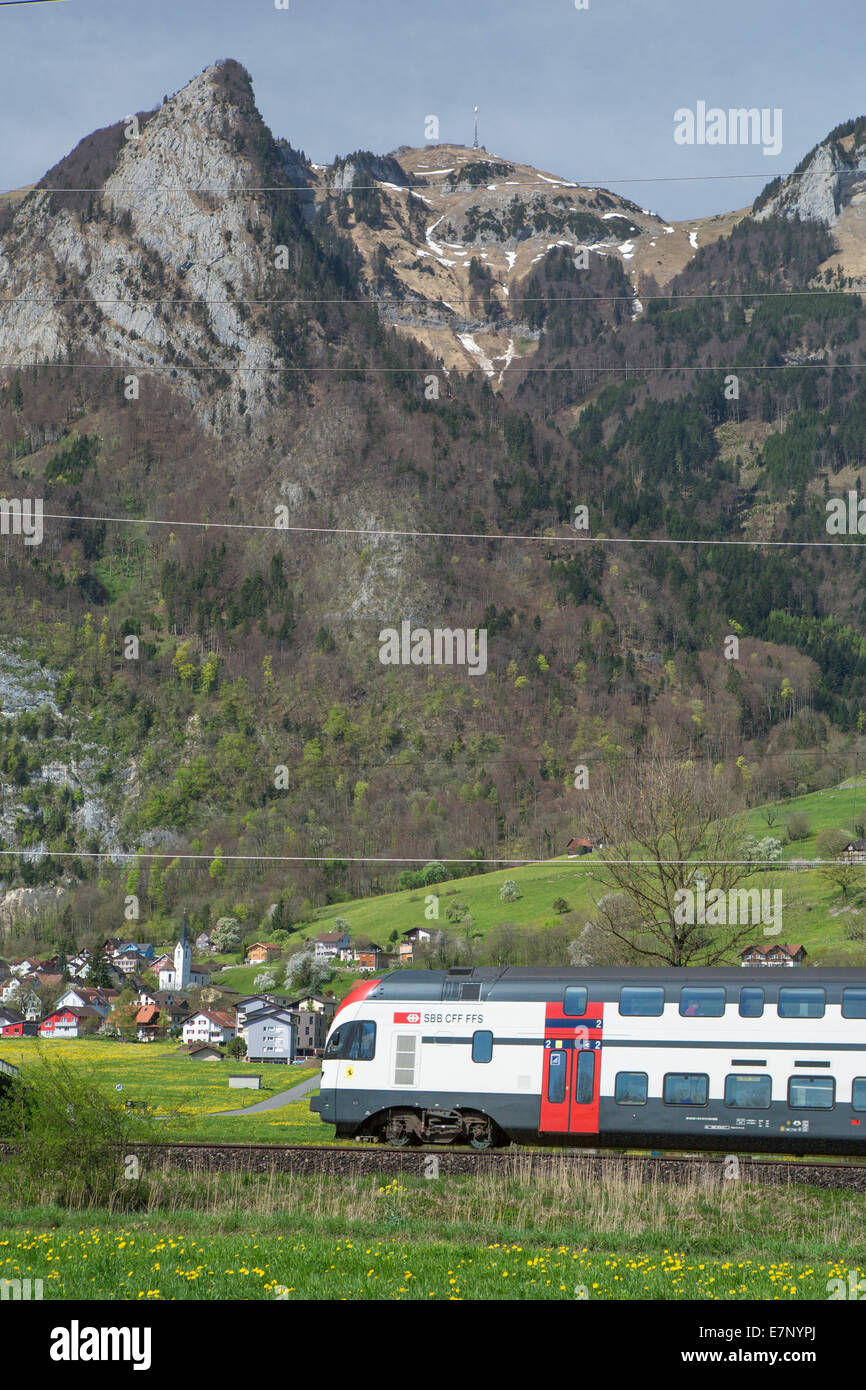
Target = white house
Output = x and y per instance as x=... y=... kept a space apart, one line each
x=209 y=1026
x=330 y=944
x=80 y=997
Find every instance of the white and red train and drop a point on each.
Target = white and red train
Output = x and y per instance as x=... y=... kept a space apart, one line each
x=754 y=1059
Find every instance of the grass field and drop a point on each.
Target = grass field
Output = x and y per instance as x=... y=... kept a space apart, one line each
x=185 y=1097
x=813 y=909
x=524 y=1235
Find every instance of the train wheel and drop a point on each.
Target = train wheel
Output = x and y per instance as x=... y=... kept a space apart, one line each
x=398 y=1132
x=481 y=1131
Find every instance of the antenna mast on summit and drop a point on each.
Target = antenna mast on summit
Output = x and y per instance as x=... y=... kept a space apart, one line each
x=475 y=145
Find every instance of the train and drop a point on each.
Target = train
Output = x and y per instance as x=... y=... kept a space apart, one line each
x=758 y=1059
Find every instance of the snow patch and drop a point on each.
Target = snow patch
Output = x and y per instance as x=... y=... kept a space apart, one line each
x=511 y=257
x=470 y=345
x=693 y=240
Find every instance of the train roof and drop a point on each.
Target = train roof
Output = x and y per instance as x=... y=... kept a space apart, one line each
x=546 y=982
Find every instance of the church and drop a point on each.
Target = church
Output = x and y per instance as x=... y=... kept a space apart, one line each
x=182 y=975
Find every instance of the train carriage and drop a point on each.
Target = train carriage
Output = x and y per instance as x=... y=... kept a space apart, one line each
x=759 y=1059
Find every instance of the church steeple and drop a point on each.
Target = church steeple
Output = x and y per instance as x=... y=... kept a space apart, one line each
x=182 y=958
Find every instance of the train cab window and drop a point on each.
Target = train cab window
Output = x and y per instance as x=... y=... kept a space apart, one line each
x=641 y=1001
x=482 y=1045
x=686 y=1088
x=630 y=1088
x=574 y=1004
x=556 y=1075
x=355 y=1042
x=811 y=1092
x=751 y=1002
x=854 y=1003
x=334 y=1045
x=698 y=1001
x=801 y=1003
x=748 y=1092
x=361 y=1045
x=858 y=1093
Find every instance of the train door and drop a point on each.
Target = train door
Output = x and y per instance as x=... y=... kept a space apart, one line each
x=571 y=1074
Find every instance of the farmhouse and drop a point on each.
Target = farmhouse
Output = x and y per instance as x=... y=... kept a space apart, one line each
x=776 y=954
x=262 y=953
x=330 y=944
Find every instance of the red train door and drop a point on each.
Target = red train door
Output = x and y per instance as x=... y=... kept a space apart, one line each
x=571 y=1075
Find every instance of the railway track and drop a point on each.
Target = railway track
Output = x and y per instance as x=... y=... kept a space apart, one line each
x=714 y=1169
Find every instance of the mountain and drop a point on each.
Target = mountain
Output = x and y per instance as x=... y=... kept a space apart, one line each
x=413 y=359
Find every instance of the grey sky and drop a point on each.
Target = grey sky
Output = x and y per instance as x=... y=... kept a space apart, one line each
x=588 y=94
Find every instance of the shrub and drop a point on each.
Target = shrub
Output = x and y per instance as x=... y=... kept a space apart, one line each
x=798 y=827
x=560 y=905
x=509 y=892
x=71 y=1140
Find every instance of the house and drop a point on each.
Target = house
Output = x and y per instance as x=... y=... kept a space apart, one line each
x=203 y=942
x=574 y=848
x=370 y=957
x=330 y=944
x=25 y=992
x=775 y=953
x=853 y=853
x=312 y=1031
x=80 y=997
x=9 y=1016
x=148 y=1023
x=209 y=1025
x=129 y=961
x=253 y=1004
x=324 y=1004
x=163 y=962
x=203 y=1052
x=262 y=953
x=69 y=1023
x=24 y=1028
x=27 y=966
x=78 y=965
x=271 y=1036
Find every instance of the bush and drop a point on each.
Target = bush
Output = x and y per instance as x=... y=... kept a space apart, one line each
x=71 y=1142
x=798 y=827
x=509 y=892
x=560 y=905
x=236 y=1047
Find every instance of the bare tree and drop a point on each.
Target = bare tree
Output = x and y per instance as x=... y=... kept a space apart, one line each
x=671 y=836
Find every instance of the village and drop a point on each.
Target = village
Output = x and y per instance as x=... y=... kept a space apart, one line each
x=130 y=991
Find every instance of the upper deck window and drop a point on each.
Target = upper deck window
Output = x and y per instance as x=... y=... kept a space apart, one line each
x=641 y=1001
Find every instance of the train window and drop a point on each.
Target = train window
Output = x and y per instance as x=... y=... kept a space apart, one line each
x=854 y=1003
x=748 y=1092
x=801 y=1003
x=482 y=1046
x=335 y=1042
x=686 y=1088
x=361 y=1045
x=858 y=1093
x=556 y=1076
x=585 y=1078
x=641 y=1001
x=630 y=1088
x=811 y=1092
x=702 y=1002
x=574 y=1004
x=751 y=1002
